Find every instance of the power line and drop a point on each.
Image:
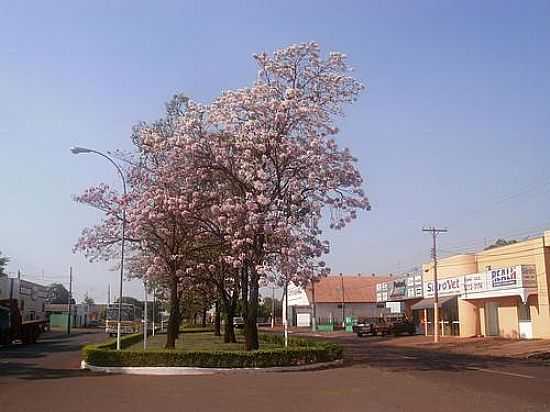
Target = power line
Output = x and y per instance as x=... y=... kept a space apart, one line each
x=534 y=230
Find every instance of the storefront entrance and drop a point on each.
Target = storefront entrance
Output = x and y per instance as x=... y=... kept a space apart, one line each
x=423 y=315
x=491 y=319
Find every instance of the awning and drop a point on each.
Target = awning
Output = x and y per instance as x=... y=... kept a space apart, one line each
x=429 y=303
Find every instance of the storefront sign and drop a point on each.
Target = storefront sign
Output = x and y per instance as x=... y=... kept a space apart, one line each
x=446 y=287
x=529 y=276
x=474 y=283
x=398 y=289
x=468 y=286
x=504 y=277
x=402 y=288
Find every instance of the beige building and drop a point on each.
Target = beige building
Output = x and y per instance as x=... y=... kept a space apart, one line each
x=497 y=292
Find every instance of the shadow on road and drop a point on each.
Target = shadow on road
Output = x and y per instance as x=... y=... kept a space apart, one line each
x=361 y=352
x=54 y=356
x=28 y=371
x=51 y=342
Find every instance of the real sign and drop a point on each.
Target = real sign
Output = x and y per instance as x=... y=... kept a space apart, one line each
x=503 y=277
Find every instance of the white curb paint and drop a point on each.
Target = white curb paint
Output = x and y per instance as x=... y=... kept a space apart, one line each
x=203 y=371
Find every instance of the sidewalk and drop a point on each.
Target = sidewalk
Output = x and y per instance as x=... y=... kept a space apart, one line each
x=487 y=346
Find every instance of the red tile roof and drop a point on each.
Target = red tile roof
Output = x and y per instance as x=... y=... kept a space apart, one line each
x=357 y=289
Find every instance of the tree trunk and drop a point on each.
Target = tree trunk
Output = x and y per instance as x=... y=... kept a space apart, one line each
x=217 y=320
x=228 y=329
x=229 y=312
x=251 y=316
x=174 y=319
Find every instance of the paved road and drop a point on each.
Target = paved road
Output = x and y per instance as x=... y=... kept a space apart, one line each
x=44 y=378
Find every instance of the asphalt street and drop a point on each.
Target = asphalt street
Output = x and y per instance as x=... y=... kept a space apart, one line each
x=45 y=377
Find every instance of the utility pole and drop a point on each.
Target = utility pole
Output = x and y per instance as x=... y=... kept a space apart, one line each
x=108 y=294
x=69 y=314
x=435 y=231
x=272 y=307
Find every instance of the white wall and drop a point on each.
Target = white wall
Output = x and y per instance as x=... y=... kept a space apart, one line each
x=297 y=296
x=360 y=310
x=395 y=307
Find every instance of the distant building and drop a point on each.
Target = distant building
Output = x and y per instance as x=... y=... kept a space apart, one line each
x=335 y=298
x=82 y=314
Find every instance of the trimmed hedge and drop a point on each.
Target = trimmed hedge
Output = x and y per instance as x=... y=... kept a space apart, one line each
x=299 y=352
x=125 y=342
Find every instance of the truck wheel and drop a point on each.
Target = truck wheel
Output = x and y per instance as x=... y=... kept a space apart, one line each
x=35 y=334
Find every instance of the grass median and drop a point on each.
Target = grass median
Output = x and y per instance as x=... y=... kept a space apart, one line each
x=197 y=341
x=204 y=350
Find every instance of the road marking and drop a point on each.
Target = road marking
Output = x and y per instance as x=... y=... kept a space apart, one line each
x=517 y=375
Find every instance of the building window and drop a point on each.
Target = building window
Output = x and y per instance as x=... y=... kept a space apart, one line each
x=524 y=314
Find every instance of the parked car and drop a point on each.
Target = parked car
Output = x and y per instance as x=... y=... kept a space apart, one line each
x=365 y=326
x=238 y=322
x=394 y=324
x=93 y=323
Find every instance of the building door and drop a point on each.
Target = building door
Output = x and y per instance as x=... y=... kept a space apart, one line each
x=524 y=320
x=491 y=319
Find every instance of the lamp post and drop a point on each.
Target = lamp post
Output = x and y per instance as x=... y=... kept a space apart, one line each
x=145 y=316
x=80 y=150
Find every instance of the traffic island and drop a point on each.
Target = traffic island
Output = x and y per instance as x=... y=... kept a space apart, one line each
x=204 y=353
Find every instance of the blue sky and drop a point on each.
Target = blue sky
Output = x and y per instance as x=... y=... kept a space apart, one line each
x=454 y=129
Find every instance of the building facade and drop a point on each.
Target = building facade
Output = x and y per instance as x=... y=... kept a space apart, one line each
x=335 y=298
x=497 y=292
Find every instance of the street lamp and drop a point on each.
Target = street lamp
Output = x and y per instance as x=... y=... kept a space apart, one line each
x=79 y=150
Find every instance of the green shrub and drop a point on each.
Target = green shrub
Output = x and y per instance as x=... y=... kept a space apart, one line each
x=300 y=352
x=125 y=341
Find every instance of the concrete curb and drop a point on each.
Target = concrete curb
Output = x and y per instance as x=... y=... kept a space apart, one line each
x=204 y=371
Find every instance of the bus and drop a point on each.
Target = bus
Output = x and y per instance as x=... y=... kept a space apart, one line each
x=130 y=319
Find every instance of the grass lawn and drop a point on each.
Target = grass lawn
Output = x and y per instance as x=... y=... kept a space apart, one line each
x=197 y=342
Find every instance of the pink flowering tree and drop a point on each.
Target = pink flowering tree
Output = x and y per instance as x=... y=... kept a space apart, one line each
x=233 y=193
x=268 y=155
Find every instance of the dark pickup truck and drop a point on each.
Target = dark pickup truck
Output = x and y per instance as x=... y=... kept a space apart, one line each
x=388 y=324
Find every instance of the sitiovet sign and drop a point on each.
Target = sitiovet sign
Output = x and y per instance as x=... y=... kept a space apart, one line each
x=445 y=287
